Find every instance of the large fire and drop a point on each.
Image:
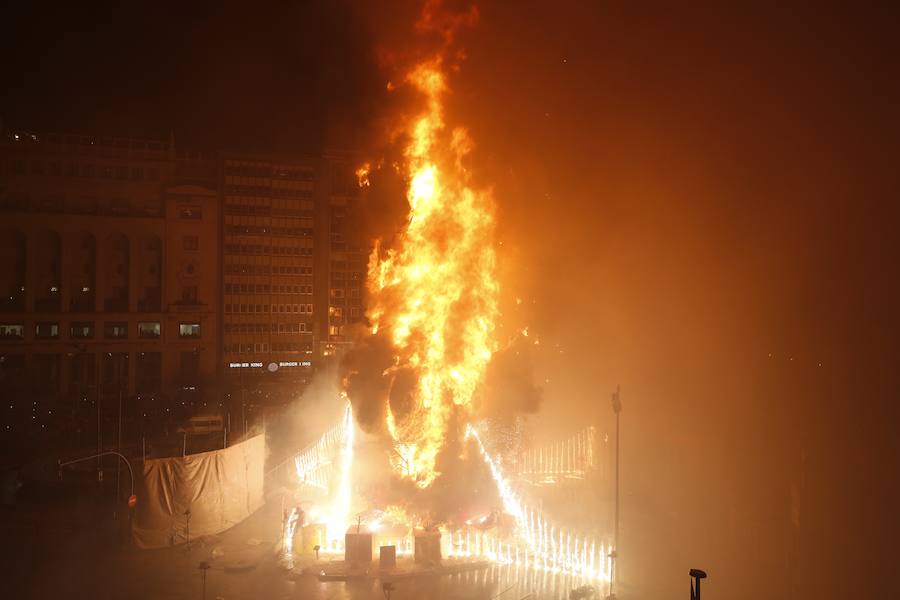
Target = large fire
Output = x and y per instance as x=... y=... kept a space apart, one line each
x=433 y=296
x=436 y=292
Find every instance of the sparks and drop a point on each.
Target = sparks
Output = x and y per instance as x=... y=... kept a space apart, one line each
x=337 y=523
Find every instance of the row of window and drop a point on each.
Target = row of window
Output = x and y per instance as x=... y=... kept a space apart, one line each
x=339 y=292
x=269 y=172
x=265 y=288
x=268 y=221
x=84 y=330
x=266 y=230
x=19 y=166
x=342 y=265
x=264 y=308
x=248 y=348
x=261 y=249
x=338 y=311
x=81 y=205
x=241 y=269
x=341 y=276
x=252 y=210
x=266 y=192
x=264 y=328
x=87 y=142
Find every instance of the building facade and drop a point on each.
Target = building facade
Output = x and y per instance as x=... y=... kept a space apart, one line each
x=267 y=273
x=167 y=283
x=345 y=261
x=280 y=244
x=106 y=292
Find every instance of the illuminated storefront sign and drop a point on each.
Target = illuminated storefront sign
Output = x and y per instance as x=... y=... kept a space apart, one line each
x=280 y=365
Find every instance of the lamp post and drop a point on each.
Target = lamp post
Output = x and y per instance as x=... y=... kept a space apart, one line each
x=204 y=567
x=119 y=359
x=696 y=576
x=614 y=555
x=132 y=499
x=83 y=350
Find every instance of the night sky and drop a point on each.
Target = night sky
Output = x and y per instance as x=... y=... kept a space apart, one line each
x=699 y=203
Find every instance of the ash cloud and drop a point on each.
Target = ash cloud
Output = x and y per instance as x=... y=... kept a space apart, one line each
x=363 y=376
x=463 y=489
x=509 y=389
x=383 y=210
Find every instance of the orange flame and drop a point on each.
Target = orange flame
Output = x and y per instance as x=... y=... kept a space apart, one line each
x=435 y=293
x=362 y=175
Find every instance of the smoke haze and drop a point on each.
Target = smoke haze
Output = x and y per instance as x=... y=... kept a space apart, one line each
x=697 y=202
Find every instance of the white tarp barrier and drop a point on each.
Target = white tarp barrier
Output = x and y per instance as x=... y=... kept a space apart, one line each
x=220 y=488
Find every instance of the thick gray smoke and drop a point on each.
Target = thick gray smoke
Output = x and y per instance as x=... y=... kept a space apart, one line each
x=509 y=388
x=365 y=376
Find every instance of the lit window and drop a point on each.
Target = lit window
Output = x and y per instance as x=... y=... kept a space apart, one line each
x=189 y=330
x=82 y=330
x=46 y=330
x=115 y=330
x=12 y=331
x=149 y=329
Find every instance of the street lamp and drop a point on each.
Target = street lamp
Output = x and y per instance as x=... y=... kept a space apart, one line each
x=132 y=499
x=204 y=567
x=82 y=349
x=696 y=576
x=614 y=555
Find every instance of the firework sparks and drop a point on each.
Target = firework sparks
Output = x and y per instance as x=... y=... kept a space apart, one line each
x=340 y=507
x=545 y=547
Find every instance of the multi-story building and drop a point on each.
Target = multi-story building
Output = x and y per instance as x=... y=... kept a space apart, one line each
x=108 y=280
x=281 y=240
x=346 y=259
x=267 y=272
x=174 y=283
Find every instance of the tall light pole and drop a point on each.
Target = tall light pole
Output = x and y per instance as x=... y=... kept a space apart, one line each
x=614 y=555
x=132 y=499
x=119 y=361
x=696 y=576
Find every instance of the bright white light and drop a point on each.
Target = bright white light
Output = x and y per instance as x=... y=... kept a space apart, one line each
x=340 y=509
